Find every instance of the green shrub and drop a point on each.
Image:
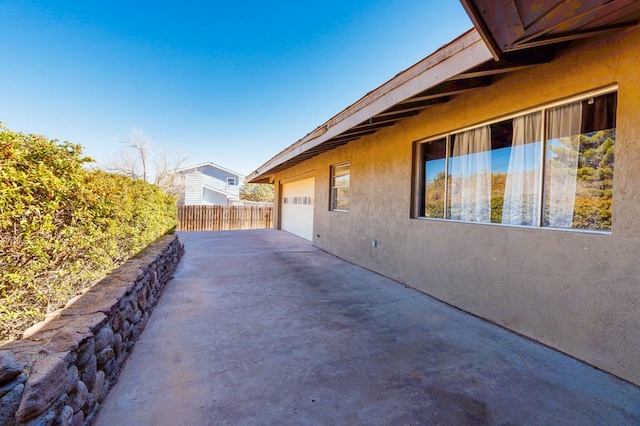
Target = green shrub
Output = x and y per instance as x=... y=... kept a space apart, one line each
x=63 y=226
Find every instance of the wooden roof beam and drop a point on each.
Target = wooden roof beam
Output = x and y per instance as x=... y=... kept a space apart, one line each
x=492 y=71
x=569 y=37
x=556 y=19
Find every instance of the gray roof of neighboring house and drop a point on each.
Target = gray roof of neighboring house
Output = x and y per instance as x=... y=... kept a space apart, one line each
x=197 y=166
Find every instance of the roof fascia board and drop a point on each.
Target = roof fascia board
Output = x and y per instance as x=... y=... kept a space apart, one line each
x=462 y=54
x=217 y=191
x=481 y=26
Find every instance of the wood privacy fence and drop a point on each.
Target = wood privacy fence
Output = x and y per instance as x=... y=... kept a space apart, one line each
x=223 y=218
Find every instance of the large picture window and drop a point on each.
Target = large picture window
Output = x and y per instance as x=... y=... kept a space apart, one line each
x=340 y=181
x=551 y=167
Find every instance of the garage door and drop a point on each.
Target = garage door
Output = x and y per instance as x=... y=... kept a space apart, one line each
x=297 y=208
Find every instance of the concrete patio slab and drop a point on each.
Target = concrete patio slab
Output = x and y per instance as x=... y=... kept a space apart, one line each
x=260 y=327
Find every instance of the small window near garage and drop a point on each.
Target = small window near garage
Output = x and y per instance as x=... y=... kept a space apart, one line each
x=551 y=167
x=340 y=180
x=231 y=181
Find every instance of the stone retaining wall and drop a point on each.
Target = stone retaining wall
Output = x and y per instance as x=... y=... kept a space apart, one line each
x=62 y=369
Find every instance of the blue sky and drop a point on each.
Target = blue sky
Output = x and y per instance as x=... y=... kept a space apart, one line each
x=229 y=82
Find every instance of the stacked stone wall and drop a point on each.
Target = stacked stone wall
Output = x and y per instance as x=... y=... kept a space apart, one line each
x=61 y=370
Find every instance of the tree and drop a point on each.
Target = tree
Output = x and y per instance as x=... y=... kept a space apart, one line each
x=434 y=196
x=140 y=143
x=166 y=170
x=591 y=206
x=140 y=155
x=259 y=192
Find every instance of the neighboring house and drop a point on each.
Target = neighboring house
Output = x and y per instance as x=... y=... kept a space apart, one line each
x=209 y=184
x=484 y=176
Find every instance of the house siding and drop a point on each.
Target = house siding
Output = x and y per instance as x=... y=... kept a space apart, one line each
x=575 y=291
x=219 y=184
x=207 y=185
x=193 y=189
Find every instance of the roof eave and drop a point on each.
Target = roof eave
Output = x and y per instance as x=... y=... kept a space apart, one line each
x=217 y=191
x=464 y=53
x=476 y=18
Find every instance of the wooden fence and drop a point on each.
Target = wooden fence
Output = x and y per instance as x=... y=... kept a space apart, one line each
x=223 y=218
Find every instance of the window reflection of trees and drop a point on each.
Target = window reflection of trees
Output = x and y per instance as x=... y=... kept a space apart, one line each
x=578 y=170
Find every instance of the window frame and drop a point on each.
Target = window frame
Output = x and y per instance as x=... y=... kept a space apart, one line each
x=231 y=181
x=418 y=181
x=333 y=186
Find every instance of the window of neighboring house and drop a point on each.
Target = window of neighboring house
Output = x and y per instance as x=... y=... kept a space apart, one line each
x=231 y=181
x=340 y=179
x=552 y=167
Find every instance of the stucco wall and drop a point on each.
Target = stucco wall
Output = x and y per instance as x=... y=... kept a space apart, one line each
x=575 y=291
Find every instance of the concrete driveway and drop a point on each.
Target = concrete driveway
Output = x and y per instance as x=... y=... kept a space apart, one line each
x=259 y=327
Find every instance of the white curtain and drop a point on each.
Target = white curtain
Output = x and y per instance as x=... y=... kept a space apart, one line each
x=470 y=171
x=521 y=195
x=563 y=146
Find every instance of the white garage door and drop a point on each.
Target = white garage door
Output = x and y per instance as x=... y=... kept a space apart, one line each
x=297 y=208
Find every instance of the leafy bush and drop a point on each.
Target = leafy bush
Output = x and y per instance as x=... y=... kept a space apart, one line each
x=63 y=226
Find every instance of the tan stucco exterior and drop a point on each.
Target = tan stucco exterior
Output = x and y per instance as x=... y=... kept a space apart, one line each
x=575 y=291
